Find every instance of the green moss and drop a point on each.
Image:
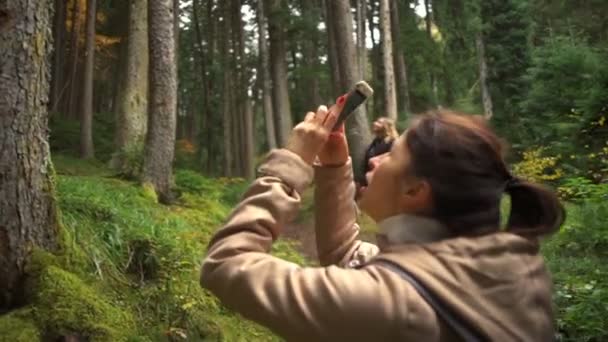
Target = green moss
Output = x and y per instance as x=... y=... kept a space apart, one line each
x=149 y=192
x=66 y=305
x=17 y=327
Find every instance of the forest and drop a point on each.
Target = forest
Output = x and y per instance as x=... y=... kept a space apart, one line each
x=130 y=128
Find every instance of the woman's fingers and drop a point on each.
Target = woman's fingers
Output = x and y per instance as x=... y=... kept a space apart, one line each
x=310 y=116
x=330 y=120
x=321 y=114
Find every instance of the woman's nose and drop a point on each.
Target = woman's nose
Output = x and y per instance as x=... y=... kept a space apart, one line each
x=374 y=162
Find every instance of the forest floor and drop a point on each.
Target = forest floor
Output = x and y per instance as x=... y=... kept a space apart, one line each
x=129 y=267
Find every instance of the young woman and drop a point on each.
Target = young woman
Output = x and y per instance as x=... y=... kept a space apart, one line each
x=436 y=198
x=385 y=134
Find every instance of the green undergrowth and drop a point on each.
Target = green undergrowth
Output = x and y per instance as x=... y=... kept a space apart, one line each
x=129 y=267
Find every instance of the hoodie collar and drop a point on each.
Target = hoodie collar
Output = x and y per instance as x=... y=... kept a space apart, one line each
x=407 y=228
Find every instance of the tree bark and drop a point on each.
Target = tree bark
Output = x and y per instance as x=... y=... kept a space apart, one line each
x=226 y=100
x=357 y=126
x=429 y=19
x=264 y=75
x=399 y=59
x=211 y=41
x=57 y=85
x=310 y=61
x=361 y=37
x=160 y=139
x=390 y=95
x=278 y=64
x=205 y=124
x=28 y=216
x=72 y=103
x=86 y=120
x=376 y=57
x=132 y=106
x=331 y=49
x=486 y=98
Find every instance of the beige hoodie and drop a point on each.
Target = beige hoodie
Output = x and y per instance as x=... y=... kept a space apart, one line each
x=496 y=283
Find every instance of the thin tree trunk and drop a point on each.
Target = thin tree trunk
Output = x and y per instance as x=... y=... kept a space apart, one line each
x=331 y=49
x=278 y=64
x=176 y=16
x=226 y=100
x=86 y=121
x=205 y=121
x=486 y=98
x=376 y=57
x=132 y=106
x=72 y=104
x=429 y=19
x=160 y=139
x=264 y=75
x=249 y=141
x=58 y=86
x=211 y=40
x=357 y=125
x=390 y=95
x=399 y=59
x=245 y=113
x=28 y=216
x=361 y=37
x=310 y=61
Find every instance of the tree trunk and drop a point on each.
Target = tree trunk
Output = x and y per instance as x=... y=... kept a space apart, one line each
x=226 y=100
x=176 y=16
x=72 y=103
x=57 y=85
x=28 y=216
x=429 y=20
x=249 y=141
x=376 y=56
x=132 y=106
x=205 y=120
x=310 y=61
x=210 y=114
x=486 y=98
x=361 y=38
x=264 y=75
x=357 y=125
x=86 y=120
x=390 y=95
x=331 y=49
x=160 y=139
x=399 y=59
x=278 y=64
x=245 y=111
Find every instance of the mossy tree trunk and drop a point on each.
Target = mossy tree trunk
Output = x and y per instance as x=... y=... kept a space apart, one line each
x=27 y=210
x=132 y=104
x=160 y=140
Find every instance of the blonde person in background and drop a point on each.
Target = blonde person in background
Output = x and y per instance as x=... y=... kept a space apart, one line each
x=385 y=133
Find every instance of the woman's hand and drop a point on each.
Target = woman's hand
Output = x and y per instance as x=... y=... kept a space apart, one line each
x=309 y=136
x=335 y=150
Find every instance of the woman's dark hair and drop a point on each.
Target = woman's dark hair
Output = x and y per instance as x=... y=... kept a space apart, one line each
x=463 y=161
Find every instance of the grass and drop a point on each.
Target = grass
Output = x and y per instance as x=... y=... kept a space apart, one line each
x=129 y=267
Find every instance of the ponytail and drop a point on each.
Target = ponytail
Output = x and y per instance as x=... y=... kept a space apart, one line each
x=535 y=210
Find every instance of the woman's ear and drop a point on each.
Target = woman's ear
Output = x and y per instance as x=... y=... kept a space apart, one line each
x=416 y=196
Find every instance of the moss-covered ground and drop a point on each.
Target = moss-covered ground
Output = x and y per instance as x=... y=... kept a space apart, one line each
x=128 y=269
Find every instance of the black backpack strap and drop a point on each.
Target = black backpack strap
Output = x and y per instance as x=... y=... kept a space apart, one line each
x=462 y=330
